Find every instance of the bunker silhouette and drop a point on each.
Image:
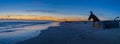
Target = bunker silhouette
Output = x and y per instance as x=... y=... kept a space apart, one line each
x=103 y=24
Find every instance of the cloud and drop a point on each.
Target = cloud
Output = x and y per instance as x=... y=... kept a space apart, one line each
x=40 y=11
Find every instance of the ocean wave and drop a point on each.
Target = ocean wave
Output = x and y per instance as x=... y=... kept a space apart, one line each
x=12 y=32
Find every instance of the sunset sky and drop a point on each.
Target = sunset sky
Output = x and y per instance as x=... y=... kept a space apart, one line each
x=102 y=8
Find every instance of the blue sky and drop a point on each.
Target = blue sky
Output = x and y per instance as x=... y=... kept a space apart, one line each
x=102 y=8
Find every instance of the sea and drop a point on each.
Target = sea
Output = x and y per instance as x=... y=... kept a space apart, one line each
x=13 y=31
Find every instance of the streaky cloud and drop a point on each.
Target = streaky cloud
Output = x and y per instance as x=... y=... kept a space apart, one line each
x=40 y=11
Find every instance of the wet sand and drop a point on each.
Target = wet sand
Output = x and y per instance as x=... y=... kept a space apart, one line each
x=75 y=33
x=66 y=33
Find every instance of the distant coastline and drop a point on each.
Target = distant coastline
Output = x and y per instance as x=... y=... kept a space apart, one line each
x=34 y=17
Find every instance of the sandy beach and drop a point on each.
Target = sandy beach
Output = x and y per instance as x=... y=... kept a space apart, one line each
x=75 y=33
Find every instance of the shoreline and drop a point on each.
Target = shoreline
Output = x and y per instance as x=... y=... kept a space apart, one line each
x=16 y=31
x=75 y=33
x=57 y=35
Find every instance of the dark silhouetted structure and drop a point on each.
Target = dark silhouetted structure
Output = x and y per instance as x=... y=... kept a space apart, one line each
x=92 y=16
x=103 y=24
x=95 y=19
x=116 y=18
